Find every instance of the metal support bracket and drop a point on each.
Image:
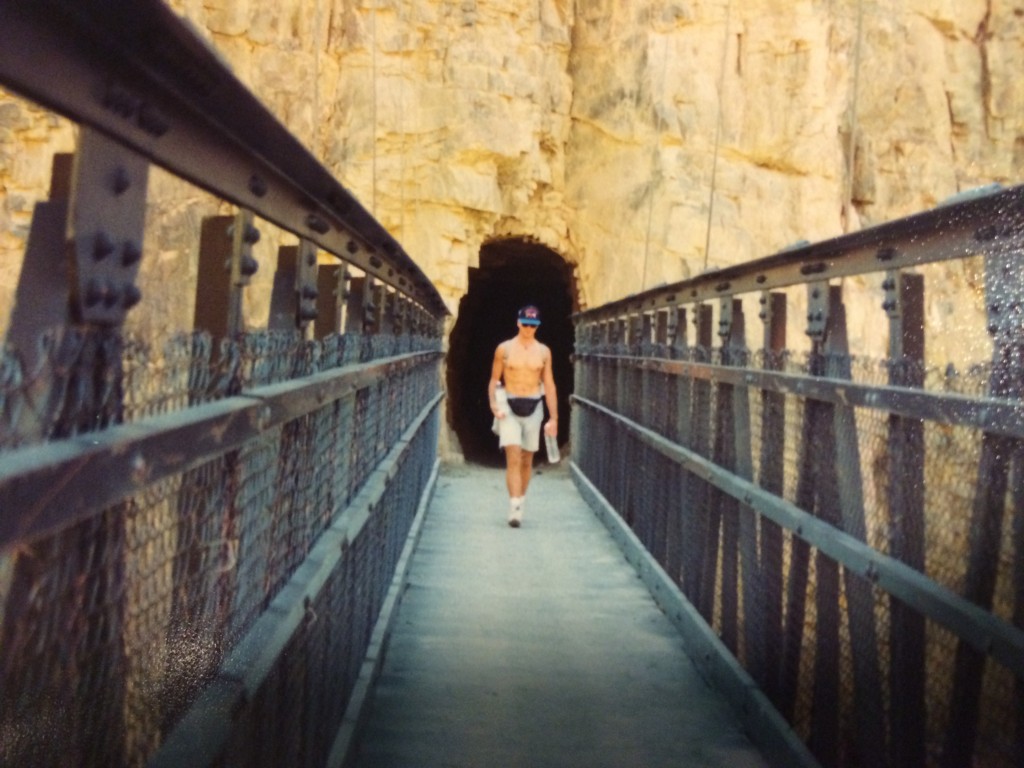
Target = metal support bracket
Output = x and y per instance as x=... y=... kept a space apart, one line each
x=817 y=309
x=105 y=228
x=1004 y=297
x=242 y=266
x=635 y=338
x=369 y=305
x=725 y=317
x=306 y=286
x=891 y=287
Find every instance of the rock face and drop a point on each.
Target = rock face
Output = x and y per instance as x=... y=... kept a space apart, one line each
x=644 y=142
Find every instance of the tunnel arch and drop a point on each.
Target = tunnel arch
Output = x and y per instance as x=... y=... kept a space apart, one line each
x=512 y=273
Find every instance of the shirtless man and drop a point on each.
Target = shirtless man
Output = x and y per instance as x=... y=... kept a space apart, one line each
x=524 y=364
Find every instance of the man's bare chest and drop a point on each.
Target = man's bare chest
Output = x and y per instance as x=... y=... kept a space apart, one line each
x=519 y=358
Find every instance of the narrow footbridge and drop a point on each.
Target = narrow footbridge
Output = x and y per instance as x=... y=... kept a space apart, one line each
x=794 y=540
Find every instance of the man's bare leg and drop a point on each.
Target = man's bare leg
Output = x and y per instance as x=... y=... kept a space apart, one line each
x=525 y=469
x=516 y=484
x=513 y=472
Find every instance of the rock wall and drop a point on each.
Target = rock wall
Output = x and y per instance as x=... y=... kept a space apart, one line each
x=644 y=142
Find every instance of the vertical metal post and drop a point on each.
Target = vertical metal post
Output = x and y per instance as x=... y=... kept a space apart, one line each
x=677 y=428
x=799 y=562
x=98 y=253
x=859 y=597
x=293 y=299
x=703 y=559
x=331 y=286
x=355 y=306
x=904 y=304
x=1004 y=294
x=773 y=435
x=307 y=287
x=226 y=266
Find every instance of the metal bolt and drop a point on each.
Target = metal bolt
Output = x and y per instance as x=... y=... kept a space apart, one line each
x=351 y=246
x=309 y=292
x=111 y=295
x=103 y=246
x=94 y=293
x=257 y=186
x=131 y=253
x=252 y=235
x=130 y=296
x=815 y=293
x=311 y=258
x=249 y=266
x=139 y=469
x=122 y=181
x=317 y=224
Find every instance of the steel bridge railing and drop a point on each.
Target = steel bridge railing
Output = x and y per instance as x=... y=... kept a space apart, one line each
x=847 y=526
x=197 y=534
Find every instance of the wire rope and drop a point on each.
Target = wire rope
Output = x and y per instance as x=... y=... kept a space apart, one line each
x=851 y=148
x=718 y=135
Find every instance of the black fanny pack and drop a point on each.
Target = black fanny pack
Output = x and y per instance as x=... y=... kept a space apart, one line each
x=523 y=406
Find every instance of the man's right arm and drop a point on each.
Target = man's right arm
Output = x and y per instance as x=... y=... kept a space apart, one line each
x=497 y=369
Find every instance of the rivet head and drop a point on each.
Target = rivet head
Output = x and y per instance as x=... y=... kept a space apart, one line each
x=252 y=235
x=94 y=292
x=103 y=246
x=257 y=186
x=130 y=296
x=122 y=181
x=111 y=296
x=249 y=266
x=131 y=253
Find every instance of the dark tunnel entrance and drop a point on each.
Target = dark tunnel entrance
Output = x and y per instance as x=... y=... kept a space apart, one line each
x=512 y=273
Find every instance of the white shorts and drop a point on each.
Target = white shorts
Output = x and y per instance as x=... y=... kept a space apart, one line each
x=523 y=431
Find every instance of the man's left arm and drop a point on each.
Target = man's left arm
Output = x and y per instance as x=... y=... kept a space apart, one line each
x=550 y=396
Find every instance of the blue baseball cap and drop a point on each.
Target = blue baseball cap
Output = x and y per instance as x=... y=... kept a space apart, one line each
x=529 y=315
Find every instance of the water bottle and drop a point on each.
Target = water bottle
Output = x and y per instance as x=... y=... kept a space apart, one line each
x=551 y=443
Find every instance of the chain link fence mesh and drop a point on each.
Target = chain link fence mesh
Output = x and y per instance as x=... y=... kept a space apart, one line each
x=110 y=629
x=863 y=678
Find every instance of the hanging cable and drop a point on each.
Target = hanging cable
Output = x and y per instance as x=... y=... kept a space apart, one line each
x=851 y=147
x=373 y=104
x=718 y=135
x=654 y=167
x=404 y=22
x=315 y=132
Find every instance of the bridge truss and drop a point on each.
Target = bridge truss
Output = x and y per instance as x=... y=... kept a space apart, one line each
x=842 y=532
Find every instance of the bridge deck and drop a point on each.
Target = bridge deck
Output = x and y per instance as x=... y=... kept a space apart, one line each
x=536 y=647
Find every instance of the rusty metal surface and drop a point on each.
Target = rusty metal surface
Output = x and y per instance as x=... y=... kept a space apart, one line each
x=133 y=70
x=116 y=618
x=992 y=225
x=848 y=526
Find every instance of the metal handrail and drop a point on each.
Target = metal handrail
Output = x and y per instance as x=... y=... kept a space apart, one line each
x=135 y=71
x=989 y=224
x=55 y=484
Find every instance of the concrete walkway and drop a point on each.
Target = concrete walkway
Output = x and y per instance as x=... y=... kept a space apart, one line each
x=536 y=647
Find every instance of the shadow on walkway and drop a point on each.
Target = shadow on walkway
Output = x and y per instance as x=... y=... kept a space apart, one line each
x=536 y=647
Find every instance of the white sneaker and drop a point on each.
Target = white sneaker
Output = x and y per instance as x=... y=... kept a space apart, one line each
x=515 y=516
